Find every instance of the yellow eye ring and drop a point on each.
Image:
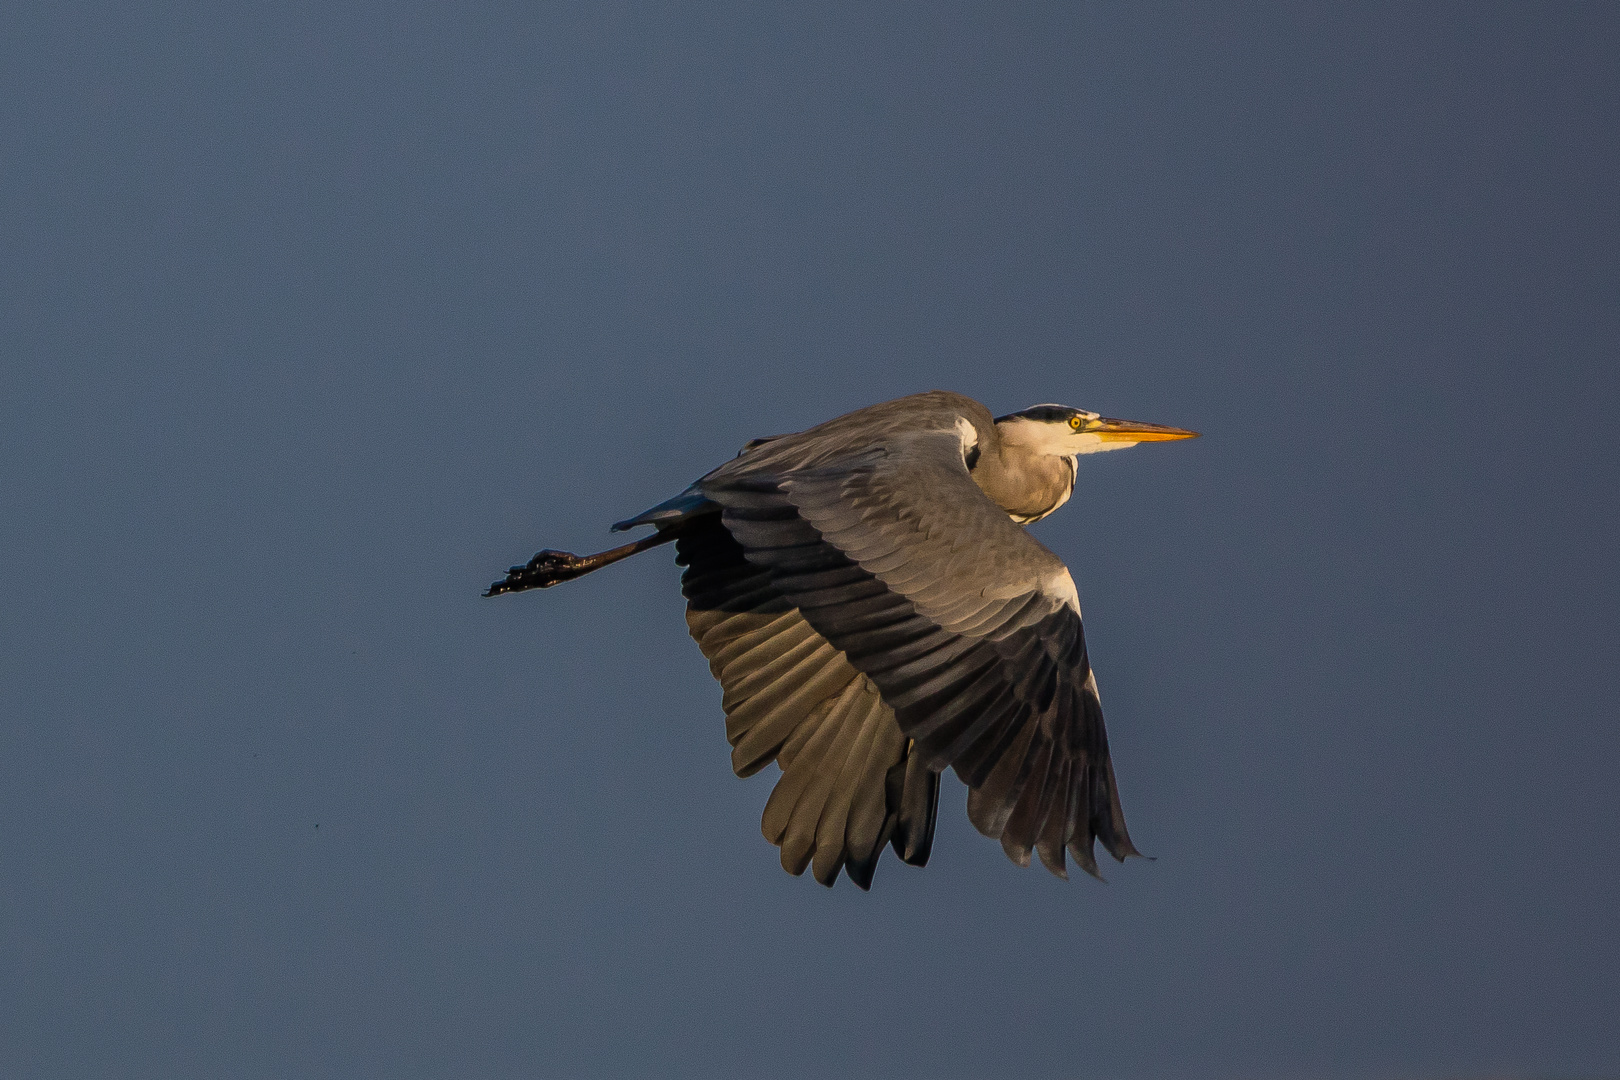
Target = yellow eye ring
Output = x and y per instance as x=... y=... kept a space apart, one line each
x=1077 y=422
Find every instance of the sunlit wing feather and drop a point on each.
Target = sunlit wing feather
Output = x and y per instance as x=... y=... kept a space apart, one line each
x=793 y=698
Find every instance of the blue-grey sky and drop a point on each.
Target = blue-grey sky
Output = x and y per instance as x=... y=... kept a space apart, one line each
x=315 y=318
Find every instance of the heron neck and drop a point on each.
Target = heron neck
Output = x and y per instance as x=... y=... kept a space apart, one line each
x=1026 y=485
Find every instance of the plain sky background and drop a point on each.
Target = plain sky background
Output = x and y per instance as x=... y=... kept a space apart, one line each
x=313 y=319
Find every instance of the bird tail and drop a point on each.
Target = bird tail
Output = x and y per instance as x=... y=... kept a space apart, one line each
x=688 y=503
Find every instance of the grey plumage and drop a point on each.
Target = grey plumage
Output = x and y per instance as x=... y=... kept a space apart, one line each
x=875 y=613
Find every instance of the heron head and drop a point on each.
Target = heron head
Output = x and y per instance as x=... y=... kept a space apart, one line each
x=1059 y=431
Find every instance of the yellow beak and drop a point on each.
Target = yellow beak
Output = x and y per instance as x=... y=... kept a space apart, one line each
x=1135 y=431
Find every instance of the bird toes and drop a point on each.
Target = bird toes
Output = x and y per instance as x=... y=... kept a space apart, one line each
x=546 y=569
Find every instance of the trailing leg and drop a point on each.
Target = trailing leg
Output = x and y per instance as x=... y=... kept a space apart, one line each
x=550 y=567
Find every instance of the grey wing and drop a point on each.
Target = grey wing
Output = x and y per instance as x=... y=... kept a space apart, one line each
x=967 y=627
x=850 y=784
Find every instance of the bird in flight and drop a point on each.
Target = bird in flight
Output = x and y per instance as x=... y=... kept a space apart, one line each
x=875 y=612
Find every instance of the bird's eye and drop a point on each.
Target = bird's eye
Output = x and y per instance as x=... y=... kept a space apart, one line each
x=1077 y=422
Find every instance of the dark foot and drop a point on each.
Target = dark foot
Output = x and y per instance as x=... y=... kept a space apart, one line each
x=546 y=569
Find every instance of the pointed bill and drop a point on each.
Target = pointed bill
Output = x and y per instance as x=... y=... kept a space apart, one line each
x=1135 y=431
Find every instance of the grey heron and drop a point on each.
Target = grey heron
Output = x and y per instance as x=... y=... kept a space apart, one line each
x=875 y=613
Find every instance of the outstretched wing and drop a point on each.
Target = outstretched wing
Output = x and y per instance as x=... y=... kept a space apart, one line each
x=849 y=783
x=871 y=530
